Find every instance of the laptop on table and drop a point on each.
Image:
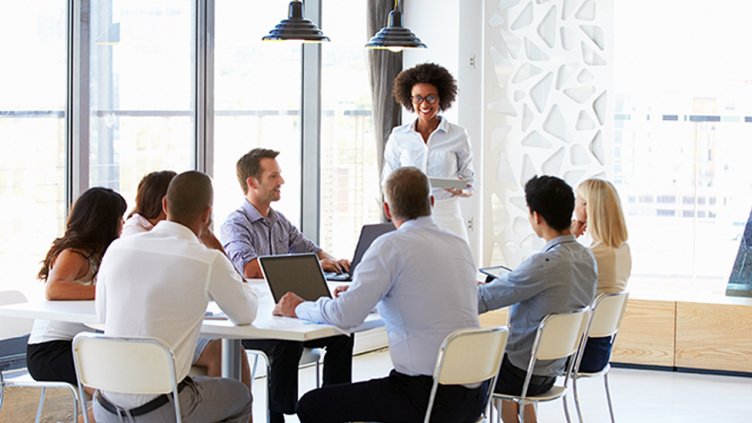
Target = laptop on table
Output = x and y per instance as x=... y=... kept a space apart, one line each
x=368 y=234
x=298 y=273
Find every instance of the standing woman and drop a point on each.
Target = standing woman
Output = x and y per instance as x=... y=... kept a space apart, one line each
x=598 y=210
x=430 y=142
x=69 y=271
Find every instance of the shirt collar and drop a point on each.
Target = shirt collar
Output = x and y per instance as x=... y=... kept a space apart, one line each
x=421 y=222
x=173 y=228
x=443 y=125
x=253 y=214
x=558 y=240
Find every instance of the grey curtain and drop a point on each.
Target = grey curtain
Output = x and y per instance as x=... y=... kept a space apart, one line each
x=383 y=67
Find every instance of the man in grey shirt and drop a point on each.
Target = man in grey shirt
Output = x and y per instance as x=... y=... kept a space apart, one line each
x=254 y=230
x=560 y=278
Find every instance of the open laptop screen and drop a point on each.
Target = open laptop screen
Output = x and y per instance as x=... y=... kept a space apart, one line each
x=298 y=273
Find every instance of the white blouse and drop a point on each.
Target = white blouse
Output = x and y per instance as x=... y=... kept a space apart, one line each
x=447 y=154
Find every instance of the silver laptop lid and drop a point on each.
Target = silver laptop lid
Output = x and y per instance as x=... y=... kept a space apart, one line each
x=298 y=273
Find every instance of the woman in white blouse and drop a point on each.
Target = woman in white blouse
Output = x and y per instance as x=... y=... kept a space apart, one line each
x=431 y=143
x=598 y=210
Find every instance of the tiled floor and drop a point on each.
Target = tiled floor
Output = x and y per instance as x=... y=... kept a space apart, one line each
x=640 y=396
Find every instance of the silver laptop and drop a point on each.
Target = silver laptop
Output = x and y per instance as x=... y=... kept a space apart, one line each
x=298 y=273
x=368 y=234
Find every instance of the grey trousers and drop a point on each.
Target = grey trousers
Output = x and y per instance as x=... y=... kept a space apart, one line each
x=205 y=400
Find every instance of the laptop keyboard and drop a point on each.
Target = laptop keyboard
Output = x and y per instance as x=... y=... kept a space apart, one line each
x=331 y=276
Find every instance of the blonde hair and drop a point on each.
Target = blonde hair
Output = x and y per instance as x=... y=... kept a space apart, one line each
x=605 y=219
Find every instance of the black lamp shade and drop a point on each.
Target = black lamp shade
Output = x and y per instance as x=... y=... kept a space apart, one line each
x=296 y=27
x=394 y=36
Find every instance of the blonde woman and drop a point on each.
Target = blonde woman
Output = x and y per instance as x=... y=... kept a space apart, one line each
x=598 y=211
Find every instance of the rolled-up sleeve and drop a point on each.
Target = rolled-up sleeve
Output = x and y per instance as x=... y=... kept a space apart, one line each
x=373 y=281
x=524 y=282
x=298 y=242
x=237 y=240
x=236 y=298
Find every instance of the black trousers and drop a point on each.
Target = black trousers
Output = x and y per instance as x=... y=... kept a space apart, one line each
x=284 y=357
x=51 y=361
x=396 y=398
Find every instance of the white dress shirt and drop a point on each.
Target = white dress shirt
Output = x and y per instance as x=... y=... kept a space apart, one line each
x=422 y=281
x=446 y=154
x=158 y=284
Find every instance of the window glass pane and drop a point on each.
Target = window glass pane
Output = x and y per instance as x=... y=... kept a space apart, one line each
x=350 y=191
x=257 y=96
x=683 y=131
x=32 y=137
x=141 y=65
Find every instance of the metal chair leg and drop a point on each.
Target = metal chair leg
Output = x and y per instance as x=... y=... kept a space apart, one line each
x=608 y=397
x=566 y=408
x=318 y=375
x=577 y=399
x=40 y=407
x=521 y=412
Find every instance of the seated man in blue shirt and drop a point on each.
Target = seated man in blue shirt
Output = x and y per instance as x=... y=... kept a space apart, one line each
x=254 y=230
x=422 y=281
x=558 y=279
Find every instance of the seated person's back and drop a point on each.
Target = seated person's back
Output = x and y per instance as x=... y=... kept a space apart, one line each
x=158 y=284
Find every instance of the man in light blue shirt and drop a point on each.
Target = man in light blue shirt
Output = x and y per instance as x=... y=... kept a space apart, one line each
x=422 y=281
x=558 y=279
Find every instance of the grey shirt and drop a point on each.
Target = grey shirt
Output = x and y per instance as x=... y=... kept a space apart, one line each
x=247 y=235
x=560 y=278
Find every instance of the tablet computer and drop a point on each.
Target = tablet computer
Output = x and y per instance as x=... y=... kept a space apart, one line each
x=447 y=182
x=495 y=271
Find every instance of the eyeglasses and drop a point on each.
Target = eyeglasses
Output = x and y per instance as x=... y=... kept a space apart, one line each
x=417 y=99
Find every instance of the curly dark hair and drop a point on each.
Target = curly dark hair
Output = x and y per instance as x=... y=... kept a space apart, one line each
x=92 y=225
x=426 y=73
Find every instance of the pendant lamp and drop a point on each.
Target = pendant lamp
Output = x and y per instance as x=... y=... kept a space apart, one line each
x=394 y=37
x=296 y=27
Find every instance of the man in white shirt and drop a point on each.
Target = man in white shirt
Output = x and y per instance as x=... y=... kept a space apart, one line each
x=422 y=281
x=157 y=284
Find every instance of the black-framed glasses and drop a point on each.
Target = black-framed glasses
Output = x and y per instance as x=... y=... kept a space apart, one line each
x=418 y=99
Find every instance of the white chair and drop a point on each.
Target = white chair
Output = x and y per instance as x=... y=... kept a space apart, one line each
x=608 y=310
x=125 y=365
x=309 y=356
x=559 y=336
x=17 y=327
x=469 y=356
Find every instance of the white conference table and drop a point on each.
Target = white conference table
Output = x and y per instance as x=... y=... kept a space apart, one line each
x=266 y=326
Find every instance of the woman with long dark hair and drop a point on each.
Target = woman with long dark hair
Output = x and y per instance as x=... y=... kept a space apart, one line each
x=69 y=270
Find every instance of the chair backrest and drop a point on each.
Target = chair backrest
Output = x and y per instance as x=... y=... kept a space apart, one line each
x=608 y=310
x=469 y=356
x=124 y=365
x=559 y=334
x=14 y=327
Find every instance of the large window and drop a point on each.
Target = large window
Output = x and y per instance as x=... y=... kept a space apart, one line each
x=350 y=192
x=683 y=134
x=257 y=99
x=140 y=95
x=32 y=137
